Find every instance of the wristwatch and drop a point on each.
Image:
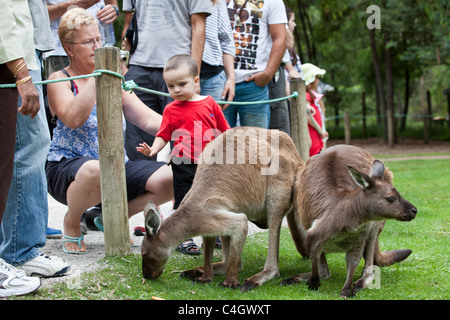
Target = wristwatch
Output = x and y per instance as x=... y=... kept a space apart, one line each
x=117 y=10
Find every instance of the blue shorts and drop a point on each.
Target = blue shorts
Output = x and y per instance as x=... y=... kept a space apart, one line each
x=60 y=174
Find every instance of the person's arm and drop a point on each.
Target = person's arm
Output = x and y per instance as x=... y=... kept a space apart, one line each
x=198 y=24
x=126 y=23
x=293 y=73
x=126 y=43
x=108 y=13
x=289 y=39
x=229 y=88
x=313 y=123
x=27 y=91
x=12 y=54
x=139 y=114
x=158 y=144
x=56 y=11
x=228 y=47
x=278 y=34
x=72 y=110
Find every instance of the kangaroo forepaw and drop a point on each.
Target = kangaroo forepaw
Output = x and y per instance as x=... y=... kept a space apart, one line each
x=203 y=279
x=249 y=285
x=192 y=274
x=289 y=281
x=232 y=284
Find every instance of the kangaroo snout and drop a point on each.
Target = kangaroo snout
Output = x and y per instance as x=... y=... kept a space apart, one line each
x=409 y=215
x=148 y=273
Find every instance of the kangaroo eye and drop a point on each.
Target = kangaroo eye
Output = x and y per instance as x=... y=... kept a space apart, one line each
x=391 y=199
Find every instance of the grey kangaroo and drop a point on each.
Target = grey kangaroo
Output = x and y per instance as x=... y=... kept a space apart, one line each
x=343 y=197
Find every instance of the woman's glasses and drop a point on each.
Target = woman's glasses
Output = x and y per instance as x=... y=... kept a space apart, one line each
x=90 y=43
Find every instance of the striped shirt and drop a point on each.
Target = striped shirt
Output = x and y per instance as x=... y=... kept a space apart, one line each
x=219 y=37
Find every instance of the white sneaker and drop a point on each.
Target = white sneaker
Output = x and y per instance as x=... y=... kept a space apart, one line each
x=45 y=266
x=13 y=282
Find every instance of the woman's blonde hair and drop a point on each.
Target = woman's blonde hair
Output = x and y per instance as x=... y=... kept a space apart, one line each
x=71 y=22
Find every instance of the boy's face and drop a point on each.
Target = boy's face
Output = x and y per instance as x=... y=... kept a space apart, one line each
x=181 y=83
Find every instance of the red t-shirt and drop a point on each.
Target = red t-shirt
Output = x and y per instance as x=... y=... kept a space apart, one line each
x=317 y=142
x=192 y=125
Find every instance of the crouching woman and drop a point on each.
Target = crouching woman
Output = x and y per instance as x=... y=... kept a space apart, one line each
x=73 y=170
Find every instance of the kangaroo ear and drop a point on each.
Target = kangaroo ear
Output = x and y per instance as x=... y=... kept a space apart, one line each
x=152 y=219
x=377 y=170
x=363 y=180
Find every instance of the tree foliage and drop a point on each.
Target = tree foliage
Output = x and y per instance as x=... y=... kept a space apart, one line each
x=413 y=41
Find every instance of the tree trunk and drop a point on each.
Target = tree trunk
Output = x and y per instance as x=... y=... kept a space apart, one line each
x=448 y=114
x=313 y=56
x=364 y=114
x=305 y=32
x=389 y=91
x=378 y=79
x=405 y=109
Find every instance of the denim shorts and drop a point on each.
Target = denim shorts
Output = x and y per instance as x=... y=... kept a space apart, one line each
x=253 y=115
x=213 y=86
x=60 y=174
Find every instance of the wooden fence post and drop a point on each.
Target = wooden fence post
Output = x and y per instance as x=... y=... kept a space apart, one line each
x=299 y=124
x=111 y=153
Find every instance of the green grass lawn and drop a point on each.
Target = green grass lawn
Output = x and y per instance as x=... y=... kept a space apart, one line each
x=423 y=275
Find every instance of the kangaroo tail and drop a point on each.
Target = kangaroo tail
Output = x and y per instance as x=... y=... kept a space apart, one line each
x=297 y=232
x=387 y=258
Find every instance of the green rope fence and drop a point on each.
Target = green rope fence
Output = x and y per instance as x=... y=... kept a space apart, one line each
x=396 y=115
x=131 y=85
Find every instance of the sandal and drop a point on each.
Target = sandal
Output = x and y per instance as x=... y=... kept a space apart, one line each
x=98 y=221
x=188 y=247
x=73 y=239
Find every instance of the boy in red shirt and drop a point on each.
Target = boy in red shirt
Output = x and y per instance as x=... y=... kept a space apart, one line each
x=192 y=121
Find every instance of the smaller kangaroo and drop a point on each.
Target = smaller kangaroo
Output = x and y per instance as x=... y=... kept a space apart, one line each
x=342 y=198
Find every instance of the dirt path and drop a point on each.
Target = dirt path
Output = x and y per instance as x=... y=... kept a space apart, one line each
x=95 y=240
